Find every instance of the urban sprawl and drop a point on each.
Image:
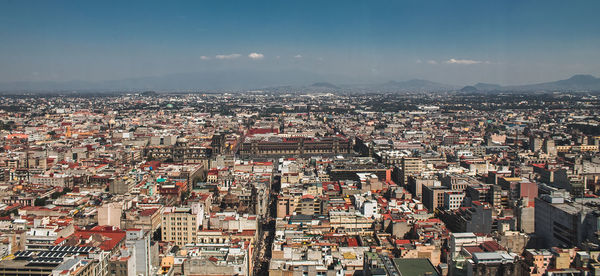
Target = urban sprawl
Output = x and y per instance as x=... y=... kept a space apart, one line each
x=261 y=183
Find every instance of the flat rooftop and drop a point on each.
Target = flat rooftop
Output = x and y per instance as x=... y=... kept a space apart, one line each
x=415 y=267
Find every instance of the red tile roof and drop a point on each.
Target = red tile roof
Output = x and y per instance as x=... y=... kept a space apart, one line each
x=110 y=237
x=148 y=212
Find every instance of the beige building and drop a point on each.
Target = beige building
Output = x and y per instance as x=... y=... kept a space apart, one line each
x=431 y=252
x=147 y=219
x=110 y=214
x=54 y=180
x=305 y=205
x=350 y=223
x=180 y=225
x=410 y=166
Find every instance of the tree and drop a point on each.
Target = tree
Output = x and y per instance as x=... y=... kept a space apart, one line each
x=40 y=201
x=184 y=196
x=56 y=195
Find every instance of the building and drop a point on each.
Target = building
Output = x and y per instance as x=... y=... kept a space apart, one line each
x=77 y=266
x=122 y=264
x=138 y=242
x=476 y=219
x=410 y=166
x=41 y=237
x=416 y=184
x=496 y=263
x=525 y=212
x=549 y=147
x=306 y=205
x=110 y=214
x=122 y=186
x=181 y=225
x=538 y=261
x=286 y=145
x=226 y=261
x=565 y=224
x=146 y=219
x=453 y=200
x=518 y=187
x=433 y=197
x=485 y=193
x=418 y=266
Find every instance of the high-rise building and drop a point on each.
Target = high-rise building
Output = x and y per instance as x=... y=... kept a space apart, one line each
x=433 y=197
x=410 y=166
x=535 y=143
x=565 y=224
x=549 y=147
x=476 y=219
x=138 y=241
x=453 y=200
x=416 y=184
x=180 y=225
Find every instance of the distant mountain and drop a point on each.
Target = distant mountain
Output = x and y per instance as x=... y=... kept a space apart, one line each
x=487 y=86
x=324 y=85
x=580 y=80
x=414 y=85
x=284 y=81
x=574 y=83
x=469 y=89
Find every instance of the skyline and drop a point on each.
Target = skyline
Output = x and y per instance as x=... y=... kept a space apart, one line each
x=299 y=137
x=507 y=43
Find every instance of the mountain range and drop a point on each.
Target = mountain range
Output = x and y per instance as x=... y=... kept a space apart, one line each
x=292 y=81
x=574 y=83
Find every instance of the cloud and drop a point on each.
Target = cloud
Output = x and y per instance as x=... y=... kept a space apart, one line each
x=204 y=58
x=431 y=61
x=256 y=56
x=419 y=61
x=298 y=56
x=464 y=61
x=230 y=56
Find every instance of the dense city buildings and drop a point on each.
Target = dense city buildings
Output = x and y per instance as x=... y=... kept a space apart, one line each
x=300 y=184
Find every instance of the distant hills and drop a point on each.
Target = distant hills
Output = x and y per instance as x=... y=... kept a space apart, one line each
x=286 y=81
x=469 y=89
x=574 y=83
x=324 y=85
x=487 y=86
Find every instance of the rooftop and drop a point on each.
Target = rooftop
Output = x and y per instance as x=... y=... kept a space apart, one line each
x=416 y=267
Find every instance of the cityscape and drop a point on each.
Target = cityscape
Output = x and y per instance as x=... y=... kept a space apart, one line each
x=123 y=152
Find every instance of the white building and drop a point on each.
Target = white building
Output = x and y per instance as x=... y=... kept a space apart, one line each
x=371 y=209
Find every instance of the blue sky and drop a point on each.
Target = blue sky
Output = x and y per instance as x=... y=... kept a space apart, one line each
x=456 y=42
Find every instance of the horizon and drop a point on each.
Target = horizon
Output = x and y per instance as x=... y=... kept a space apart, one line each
x=508 y=43
x=288 y=137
